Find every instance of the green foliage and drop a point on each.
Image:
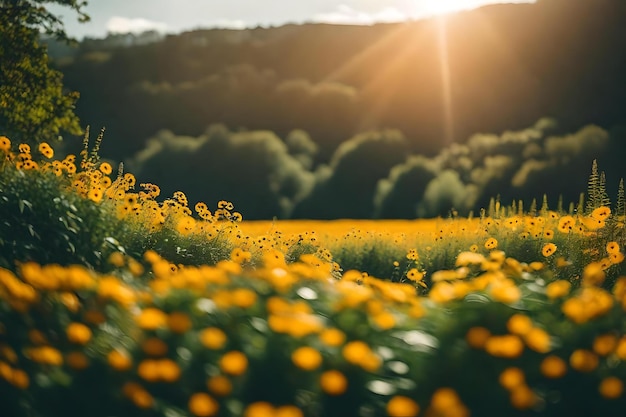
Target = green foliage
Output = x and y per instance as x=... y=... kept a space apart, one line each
x=41 y=221
x=33 y=105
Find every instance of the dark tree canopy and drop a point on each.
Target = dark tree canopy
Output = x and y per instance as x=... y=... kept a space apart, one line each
x=33 y=105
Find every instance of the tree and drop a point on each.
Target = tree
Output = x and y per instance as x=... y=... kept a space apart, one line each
x=33 y=105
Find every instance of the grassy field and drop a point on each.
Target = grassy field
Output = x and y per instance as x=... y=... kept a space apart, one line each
x=115 y=301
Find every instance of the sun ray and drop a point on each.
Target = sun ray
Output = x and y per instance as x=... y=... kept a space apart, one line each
x=446 y=78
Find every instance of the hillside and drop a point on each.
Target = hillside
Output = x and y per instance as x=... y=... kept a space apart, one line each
x=507 y=67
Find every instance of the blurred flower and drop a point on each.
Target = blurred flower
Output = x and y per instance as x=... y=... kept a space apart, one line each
x=233 y=363
x=333 y=382
x=401 y=406
x=611 y=387
x=78 y=333
x=203 y=405
x=553 y=367
x=583 y=360
x=306 y=358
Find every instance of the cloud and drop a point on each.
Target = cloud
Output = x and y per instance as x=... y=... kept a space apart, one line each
x=119 y=24
x=347 y=15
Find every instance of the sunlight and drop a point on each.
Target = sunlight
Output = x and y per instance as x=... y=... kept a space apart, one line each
x=446 y=81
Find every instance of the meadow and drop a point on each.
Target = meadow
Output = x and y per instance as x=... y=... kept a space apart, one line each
x=116 y=301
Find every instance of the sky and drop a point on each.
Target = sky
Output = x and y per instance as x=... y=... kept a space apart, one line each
x=174 y=16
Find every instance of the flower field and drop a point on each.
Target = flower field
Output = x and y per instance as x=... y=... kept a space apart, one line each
x=117 y=302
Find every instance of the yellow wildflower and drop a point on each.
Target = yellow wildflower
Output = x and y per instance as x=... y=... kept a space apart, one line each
x=583 y=360
x=78 y=333
x=611 y=387
x=333 y=382
x=491 y=243
x=203 y=405
x=553 y=367
x=212 y=338
x=548 y=249
x=401 y=406
x=234 y=363
x=512 y=377
x=220 y=385
x=306 y=358
x=507 y=346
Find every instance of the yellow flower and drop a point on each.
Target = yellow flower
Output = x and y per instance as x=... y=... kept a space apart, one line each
x=105 y=168
x=611 y=388
x=212 y=338
x=148 y=369
x=260 y=409
x=46 y=150
x=583 y=360
x=288 y=411
x=178 y=322
x=491 y=243
x=78 y=333
x=477 y=337
x=203 y=405
x=605 y=344
x=95 y=194
x=5 y=144
x=154 y=347
x=469 y=258
x=616 y=258
x=506 y=291
x=593 y=274
x=45 y=355
x=151 y=319
x=558 y=289
x=612 y=247
x=220 y=385
x=332 y=337
x=548 y=249
x=168 y=370
x=20 y=379
x=77 y=360
x=445 y=401
x=384 y=320
x=601 y=213
x=333 y=382
x=566 y=224
x=234 y=363
x=523 y=398
x=415 y=275
x=538 y=340
x=243 y=297
x=401 y=406
x=306 y=358
x=519 y=324
x=512 y=377
x=119 y=360
x=507 y=346
x=553 y=367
